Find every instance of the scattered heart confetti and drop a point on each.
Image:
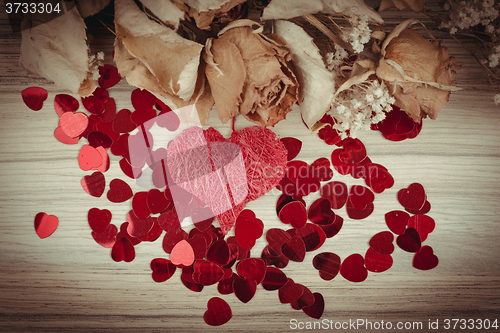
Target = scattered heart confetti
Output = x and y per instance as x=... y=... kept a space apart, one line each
x=89 y=158
x=376 y=262
x=382 y=243
x=360 y=197
x=107 y=237
x=109 y=76
x=305 y=300
x=119 y=191
x=34 y=97
x=336 y=192
x=252 y=268
x=424 y=210
x=139 y=205
x=353 y=152
x=225 y=286
x=162 y=269
x=123 y=250
x=320 y=211
x=45 y=225
x=94 y=184
x=73 y=124
x=274 y=279
x=182 y=254
x=244 y=289
x=321 y=170
x=423 y=224
x=328 y=265
x=353 y=268
x=397 y=220
x=122 y=123
x=218 y=312
x=96 y=103
x=312 y=235
x=62 y=137
x=168 y=120
x=425 y=258
x=293 y=147
x=207 y=273
x=65 y=103
x=412 y=197
x=138 y=227
x=409 y=241
x=218 y=253
x=294 y=249
x=294 y=213
x=317 y=308
x=99 y=219
x=290 y=292
x=356 y=214
x=333 y=227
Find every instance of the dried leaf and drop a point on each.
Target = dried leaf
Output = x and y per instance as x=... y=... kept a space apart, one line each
x=316 y=82
x=165 y=10
x=205 y=5
x=57 y=51
x=286 y=9
x=419 y=72
x=172 y=60
x=204 y=18
x=415 y=5
x=91 y=7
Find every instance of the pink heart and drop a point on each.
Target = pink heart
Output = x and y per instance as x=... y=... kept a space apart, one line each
x=73 y=124
x=425 y=258
x=89 y=158
x=353 y=268
x=34 y=97
x=62 y=137
x=182 y=254
x=45 y=225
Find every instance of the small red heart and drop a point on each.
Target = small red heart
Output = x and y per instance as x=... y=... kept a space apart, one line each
x=99 y=219
x=307 y=183
x=353 y=268
x=293 y=147
x=109 y=76
x=353 y=153
x=290 y=292
x=142 y=98
x=294 y=168
x=320 y=169
x=218 y=312
x=109 y=114
x=294 y=213
x=218 y=253
x=156 y=201
x=276 y=238
x=91 y=127
x=360 y=170
x=207 y=273
x=423 y=224
x=338 y=165
x=424 y=210
x=65 y=103
x=328 y=265
x=128 y=170
x=329 y=135
x=294 y=249
x=409 y=241
x=413 y=197
x=169 y=221
x=379 y=178
x=225 y=286
x=360 y=197
x=320 y=211
x=120 y=146
x=105 y=160
x=170 y=240
x=107 y=128
x=73 y=124
x=123 y=250
x=182 y=254
x=425 y=258
x=107 y=237
x=356 y=214
x=124 y=233
x=284 y=199
x=89 y=158
x=332 y=227
x=305 y=300
x=139 y=205
x=274 y=259
x=252 y=268
x=244 y=289
x=247 y=230
x=336 y=193
x=382 y=243
x=199 y=245
x=317 y=308
x=388 y=125
x=34 y=97
x=122 y=123
x=45 y=225
x=196 y=287
x=62 y=137
x=397 y=220
x=119 y=191
x=97 y=139
x=153 y=234
x=162 y=269
x=312 y=235
x=96 y=103
x=138 y=227
x=376 y=262
x=94 y=184
x=274 y=279
x=142 y=117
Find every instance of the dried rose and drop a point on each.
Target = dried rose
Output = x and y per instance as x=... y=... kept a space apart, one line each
x=418 y=72
x=250 y=74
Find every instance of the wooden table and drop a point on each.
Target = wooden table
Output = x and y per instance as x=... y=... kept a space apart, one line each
x=68 y=283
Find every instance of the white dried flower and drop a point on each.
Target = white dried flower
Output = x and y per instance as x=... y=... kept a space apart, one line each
x=496 y=99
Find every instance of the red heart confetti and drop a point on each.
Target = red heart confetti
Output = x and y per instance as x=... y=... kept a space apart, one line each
x=124 y=233
x=170 y=240
x=162 y=269
x=156 y=201
x=353 y=153
x=353 y=268
x=65 y=103
x=89 y=158
x=290 y=292
x=34 y=97
x=378 y=178
x=328 y=265
x=122 y=123
x=73 y=124
x=99 y=219
x=119 y=191
x=97 y=139
x=207 y=273
x=305 y=300
x=62 y=137
x=274 y=279
x=252 y=268
x=294 y=168
x=218 y=253
x=105 y=160
x=356 y=214
x=45 y=225
x=409 y=241
x=312 y=236
x=338 y=165
x=274 y=259
x=425 y=258
x=397 y=221
x=138 y=227
x=317 y=308
x=293 y=147
x=247 y=230
x=321 y=169
x=109 y=76
x=107 y=237
x=320 y=211
x=307 y=183
x=218 y=312
x=139 y=205
x=225 y=286
x=376 y=262
x=96 y=103
x=182 y=254
x=199 y=245
x=293 y=213
x=412 y=197
x=360 y=197
x=382 y=243
x=94 y=184
x=244 y=289
x=168 y=120
x=153 y=234
x=424 y=210
x=423 y=224
x=123 y=250
x=294 y=249
x=336 y=192
x=119 y=147
x=333 y=227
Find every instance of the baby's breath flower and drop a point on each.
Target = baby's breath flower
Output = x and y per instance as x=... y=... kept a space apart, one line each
x=496 y=99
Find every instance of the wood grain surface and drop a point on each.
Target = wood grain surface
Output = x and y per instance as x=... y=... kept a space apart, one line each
x=68 y=283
